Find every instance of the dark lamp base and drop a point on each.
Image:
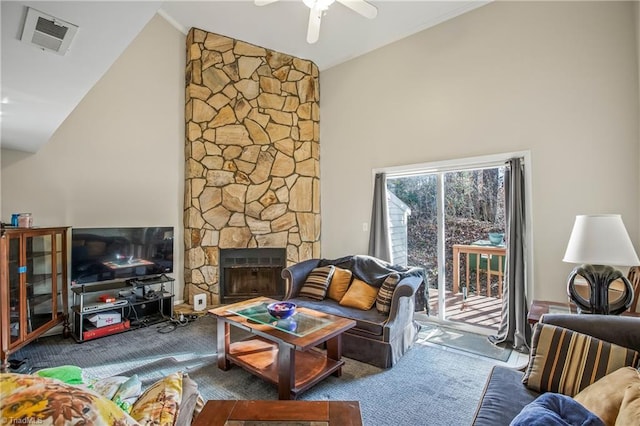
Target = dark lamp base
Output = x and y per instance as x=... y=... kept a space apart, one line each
x=599 y=278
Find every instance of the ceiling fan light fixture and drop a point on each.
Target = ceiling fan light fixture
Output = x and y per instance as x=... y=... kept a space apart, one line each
x=318 y=4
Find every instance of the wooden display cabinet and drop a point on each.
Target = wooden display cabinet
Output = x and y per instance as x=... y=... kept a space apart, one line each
x=33 y=285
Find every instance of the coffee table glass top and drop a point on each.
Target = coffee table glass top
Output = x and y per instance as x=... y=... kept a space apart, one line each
x=300 y=324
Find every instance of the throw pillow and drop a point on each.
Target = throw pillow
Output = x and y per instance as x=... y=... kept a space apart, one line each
x=555 y=409
x=159 y=404
x=566 y=361
x=50 y=402
x=605 y=396
x=360 y=295
x=70 y=374
x=109 y=386
x=385 y=295
x=339 y=283
x=317 y=282
x=190 y=396
x=630 y=409
x=128 y=393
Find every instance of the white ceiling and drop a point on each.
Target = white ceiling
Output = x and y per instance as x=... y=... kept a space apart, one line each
x=40 y=89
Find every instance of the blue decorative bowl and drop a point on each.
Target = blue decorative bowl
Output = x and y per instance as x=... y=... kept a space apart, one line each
x=496 y=238
x=281 y=310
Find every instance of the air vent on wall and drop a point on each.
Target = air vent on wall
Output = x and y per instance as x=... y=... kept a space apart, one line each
x=47 y=32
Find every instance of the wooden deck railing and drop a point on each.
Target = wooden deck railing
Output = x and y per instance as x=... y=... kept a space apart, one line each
x=479 y=251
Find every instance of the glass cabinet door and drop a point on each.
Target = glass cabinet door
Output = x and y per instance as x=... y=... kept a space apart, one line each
x=14 y=288
x=39 y=280
x=33 y=285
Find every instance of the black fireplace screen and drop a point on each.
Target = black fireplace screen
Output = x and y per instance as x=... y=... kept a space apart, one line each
x=249 y=273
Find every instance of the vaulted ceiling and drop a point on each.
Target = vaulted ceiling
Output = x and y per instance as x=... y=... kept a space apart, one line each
x=40 y=88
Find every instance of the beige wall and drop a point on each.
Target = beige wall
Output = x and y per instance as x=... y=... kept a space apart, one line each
x=558 y=79
x=636 y=6
x=118 y=158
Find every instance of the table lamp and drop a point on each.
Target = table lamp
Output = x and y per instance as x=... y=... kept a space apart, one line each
x=599 y=242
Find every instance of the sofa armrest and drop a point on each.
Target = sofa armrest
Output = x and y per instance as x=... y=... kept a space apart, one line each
x=296 y=275
x=620 y=330
x=402 y=306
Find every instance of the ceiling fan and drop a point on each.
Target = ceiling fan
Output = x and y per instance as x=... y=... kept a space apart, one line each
x=318 y=7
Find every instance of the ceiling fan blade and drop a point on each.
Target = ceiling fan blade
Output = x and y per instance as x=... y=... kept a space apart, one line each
x=313 y=32
x=362 y=7
x=264 y=2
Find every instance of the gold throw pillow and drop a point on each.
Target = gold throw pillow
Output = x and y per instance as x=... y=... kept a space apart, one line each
x=604 y=397
x=360 y=295
x=339 y=284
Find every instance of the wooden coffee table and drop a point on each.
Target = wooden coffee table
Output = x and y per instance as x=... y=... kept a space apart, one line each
x=236 y=413
x=281 y=352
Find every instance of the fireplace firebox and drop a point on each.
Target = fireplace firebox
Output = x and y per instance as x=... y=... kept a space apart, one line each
x=251 y=272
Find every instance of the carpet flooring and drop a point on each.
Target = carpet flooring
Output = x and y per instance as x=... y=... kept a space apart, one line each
x=431 y=385
x=462 y=340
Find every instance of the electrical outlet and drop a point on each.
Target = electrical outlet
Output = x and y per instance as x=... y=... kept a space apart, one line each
x=365 y=226
x=199 y=302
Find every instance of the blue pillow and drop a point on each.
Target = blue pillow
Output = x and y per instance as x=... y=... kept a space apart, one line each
x=555 y=409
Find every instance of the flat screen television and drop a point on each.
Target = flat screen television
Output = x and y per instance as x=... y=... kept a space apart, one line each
x=118 y=253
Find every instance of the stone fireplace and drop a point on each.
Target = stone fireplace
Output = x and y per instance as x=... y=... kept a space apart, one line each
x=252 y=157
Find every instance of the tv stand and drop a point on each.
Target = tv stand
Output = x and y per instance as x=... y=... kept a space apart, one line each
x=139 y=301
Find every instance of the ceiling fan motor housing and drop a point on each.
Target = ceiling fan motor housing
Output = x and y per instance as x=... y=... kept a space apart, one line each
x=318 y=4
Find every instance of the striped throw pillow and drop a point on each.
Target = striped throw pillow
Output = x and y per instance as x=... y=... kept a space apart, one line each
x=385 y=295
x=318 y=280
x=565 y=361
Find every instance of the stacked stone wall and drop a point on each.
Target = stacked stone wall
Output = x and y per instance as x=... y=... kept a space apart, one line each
x=252 y=155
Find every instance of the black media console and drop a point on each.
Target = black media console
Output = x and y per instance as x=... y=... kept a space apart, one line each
x=112 y=307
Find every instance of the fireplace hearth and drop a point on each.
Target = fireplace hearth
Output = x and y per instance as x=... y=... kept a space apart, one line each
x=251 y=272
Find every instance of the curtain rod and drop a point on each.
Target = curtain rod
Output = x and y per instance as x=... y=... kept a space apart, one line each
x=463 y=164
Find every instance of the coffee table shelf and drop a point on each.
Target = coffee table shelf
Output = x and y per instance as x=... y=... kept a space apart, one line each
x=260 y=357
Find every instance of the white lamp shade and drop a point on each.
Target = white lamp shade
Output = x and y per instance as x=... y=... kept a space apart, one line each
x=600 y=240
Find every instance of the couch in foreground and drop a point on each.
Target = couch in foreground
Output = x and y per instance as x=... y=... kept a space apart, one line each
x=114 y=401
x=505 y=394
x=381 y=336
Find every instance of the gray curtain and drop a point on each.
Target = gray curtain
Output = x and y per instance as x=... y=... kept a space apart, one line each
x=379 y=242
x=514 y=329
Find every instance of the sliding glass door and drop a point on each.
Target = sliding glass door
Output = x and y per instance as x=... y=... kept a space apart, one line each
x=455 y=226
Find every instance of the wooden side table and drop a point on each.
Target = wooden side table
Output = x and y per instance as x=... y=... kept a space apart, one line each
x=541 y=307
x=241 y=412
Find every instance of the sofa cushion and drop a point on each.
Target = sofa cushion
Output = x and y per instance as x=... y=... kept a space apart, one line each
x=503 y=397
x=339 y=284
x=369 y=323
x=385 y=295
x=360 y=295
x=605 y=396
x=565 y=361
x=317 y=282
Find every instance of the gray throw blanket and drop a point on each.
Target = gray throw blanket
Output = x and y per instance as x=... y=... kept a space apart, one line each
x=374 y=271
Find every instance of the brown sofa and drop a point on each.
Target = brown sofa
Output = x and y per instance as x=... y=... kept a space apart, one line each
x=377 y=339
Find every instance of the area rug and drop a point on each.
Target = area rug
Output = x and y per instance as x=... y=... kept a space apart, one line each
x=473 y=343
x=428 y=386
